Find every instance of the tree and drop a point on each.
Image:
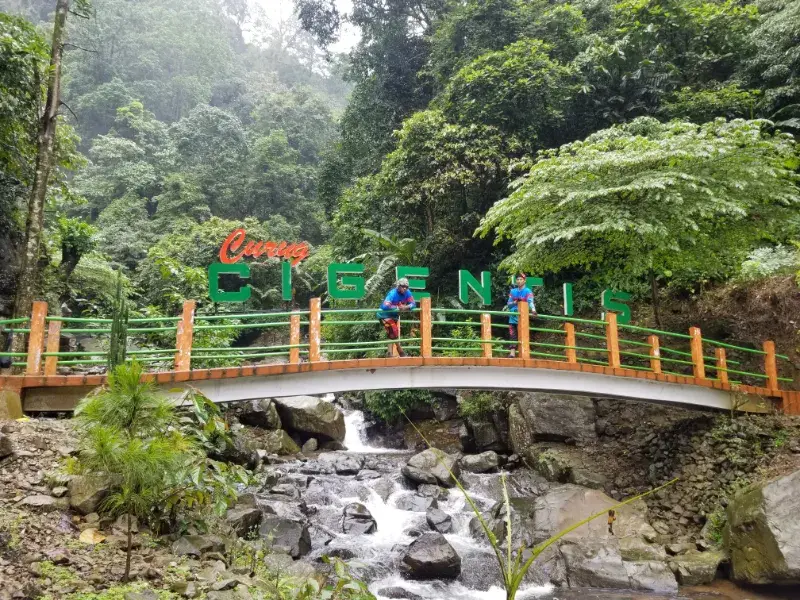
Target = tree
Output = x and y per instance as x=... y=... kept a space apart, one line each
x=127 y=434
x=650 y=200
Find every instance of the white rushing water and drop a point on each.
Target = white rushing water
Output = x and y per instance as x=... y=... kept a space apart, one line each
x=354 y=436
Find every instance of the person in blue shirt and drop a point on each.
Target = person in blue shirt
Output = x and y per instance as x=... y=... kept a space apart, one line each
x=518 y=293
x=398 y=299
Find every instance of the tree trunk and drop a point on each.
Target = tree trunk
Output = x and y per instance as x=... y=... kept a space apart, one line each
x=654 y=295
x=128 y=553
x=29 y=265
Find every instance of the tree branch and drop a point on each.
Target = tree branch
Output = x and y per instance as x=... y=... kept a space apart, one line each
x=79 y=47
x=62 y=103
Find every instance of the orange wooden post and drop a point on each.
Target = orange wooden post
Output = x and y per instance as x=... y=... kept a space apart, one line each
x=294 y=339
x=698 y=362
x=722 y=364
x=183 y=337
x=523 y=329
x=612 y=340
x=569 y=342
x=771 y=365
x=36 y=338
x=53 y=344
x=486 y=335
x=426 y=327
x=655 y=354
x=314 y=330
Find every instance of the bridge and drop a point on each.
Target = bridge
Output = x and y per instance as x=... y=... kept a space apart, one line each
x=312 y=352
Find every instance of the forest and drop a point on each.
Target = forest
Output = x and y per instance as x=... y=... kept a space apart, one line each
x=639 y=145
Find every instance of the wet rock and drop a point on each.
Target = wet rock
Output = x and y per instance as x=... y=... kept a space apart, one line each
x=432 y=466
x=398 y=592
x=341 y=464
x=197 y=545
x=332 y=446
x=313 y=416
x=438 y=520
x=651 y=575
x=291 y=535
x=286 y=489
x=431 y=556
x=415 y=502
x=243 y=519
x=550 y=417
x=356 y=519
x=279 y=442
x=480 y=463
x=763 y=532
x=310 y=446
x=366 y=474
x=260 y=413
x=696 y=568
x=86 y=493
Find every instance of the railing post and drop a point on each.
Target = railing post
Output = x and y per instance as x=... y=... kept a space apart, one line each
x=314 y=330
x=426 y=327
x=486 y=335
x=771 y=365
x=655 y=354
x=53 y=344
x=523 y=329
x=294 y=339
x=722 y=365
x=569 y=342
x=698 y=362
x=184 y=336
x=612 y=340
x=36 y=338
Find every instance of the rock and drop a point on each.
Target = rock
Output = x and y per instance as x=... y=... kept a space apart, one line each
x=121 y=524
x=44 y=503
x=341 y=464
x=433 y=491
x=143 y=595
x=480 y=463
x=286 y=489
x=332 y=446
x=763 y=532
x=185 y=589
x=86 y=493
x=431 y=556
x=415 y=502
x=445 y=407
x=289 y=534
x=398 y=592
x=551 y=463
x=438 y=520
x=240 y=593
x=279 y=442
x=197 y=545
x=260 y=413
x=238 y=452
x=550 y=417
x=485 y=435
x=6 y=448
x=587 y=478
x=311 y=415
x=679 y=548
x=696 y=568
x=59 y=492
x=432 y=466
x=243 y=519
x=356 y=519
x=310 y=446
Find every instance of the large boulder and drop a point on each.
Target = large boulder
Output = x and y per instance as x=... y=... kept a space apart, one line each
x=550 y=417
x=432 y=466
x=431 y=556
x=290 y=535
x=357 y=519
x=763 y=533
x=279 y=442
x=696 y=568
x=260 y=413
x=341 y=464
x=480 y=463
x=86 y=493
x=312 y=416
x=243 y=519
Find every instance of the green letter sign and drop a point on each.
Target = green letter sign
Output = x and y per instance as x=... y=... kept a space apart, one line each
x=218 y=295
x=352 y=288
x=415 y=284
x=613 y=301
x=483 y=288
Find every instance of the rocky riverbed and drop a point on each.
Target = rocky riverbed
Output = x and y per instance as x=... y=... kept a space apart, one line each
x=397 y=513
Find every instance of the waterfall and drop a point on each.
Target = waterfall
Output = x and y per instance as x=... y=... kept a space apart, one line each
x=355 y=436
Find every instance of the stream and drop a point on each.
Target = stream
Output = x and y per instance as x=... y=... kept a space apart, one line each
x=380 y=487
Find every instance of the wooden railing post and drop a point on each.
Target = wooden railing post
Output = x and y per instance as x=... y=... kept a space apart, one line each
x=486 y=335
x=698 y=362
x=36 y=338
x=294 y=339
x=184 y=336
x=53 y=344
x=314 y=330
x=426 y=327
x=612 y=340
x=722 y=365
x=523 y=329
x=569 y=342
x=655 y=354
x=771 y=365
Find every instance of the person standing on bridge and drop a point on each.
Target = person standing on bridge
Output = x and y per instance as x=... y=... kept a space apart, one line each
x=398 y=299
x=519 y=293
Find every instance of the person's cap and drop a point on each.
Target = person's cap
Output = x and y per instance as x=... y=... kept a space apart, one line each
x=402 y=282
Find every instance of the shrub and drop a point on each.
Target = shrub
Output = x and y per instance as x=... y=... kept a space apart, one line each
x=391 y=405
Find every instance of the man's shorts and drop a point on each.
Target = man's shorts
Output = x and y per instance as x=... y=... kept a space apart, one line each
x=512 y=331
x=392 y=327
